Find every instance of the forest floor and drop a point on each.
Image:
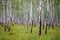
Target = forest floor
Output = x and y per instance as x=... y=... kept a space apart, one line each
x=20 y=32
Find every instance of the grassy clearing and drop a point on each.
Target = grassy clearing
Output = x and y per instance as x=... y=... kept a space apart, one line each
x=20 y=32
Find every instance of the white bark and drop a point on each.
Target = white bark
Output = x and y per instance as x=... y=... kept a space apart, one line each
x=31 y=13
x=3 y=10
x=9 y=9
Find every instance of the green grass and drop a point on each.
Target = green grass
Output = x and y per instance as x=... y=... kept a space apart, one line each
x=20 y=32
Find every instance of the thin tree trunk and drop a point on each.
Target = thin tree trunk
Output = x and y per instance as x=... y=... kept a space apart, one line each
x=40 y=27
x=9 y=14
x=3 y=12
x=31 y=26
x=46 y=29
x=40 y=12
x=47 y=15
x=31 y=19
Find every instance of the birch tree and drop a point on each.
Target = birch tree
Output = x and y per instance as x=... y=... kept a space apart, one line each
x=3 y=13
x=40 y=13
x=31 y=19
x=9 y=13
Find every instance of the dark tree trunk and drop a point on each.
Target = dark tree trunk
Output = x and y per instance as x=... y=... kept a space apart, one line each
x=40 y=28
x=31 y=26
x=31 y=29
x=46 y=29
